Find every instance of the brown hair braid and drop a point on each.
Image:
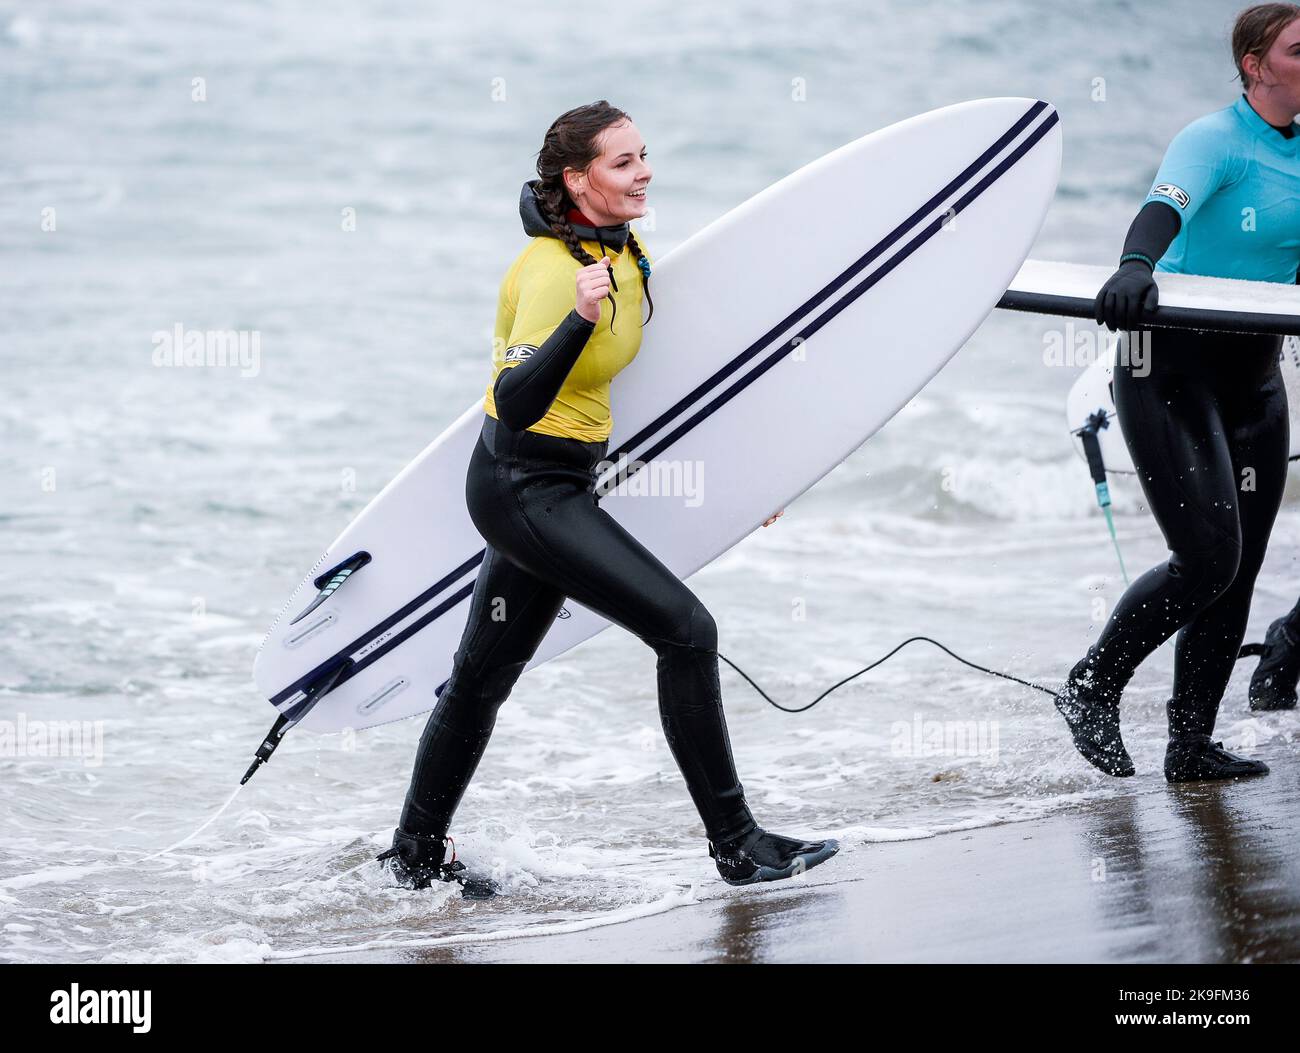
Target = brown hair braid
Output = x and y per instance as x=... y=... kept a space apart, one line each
x=570 y=142
x=1255 y=31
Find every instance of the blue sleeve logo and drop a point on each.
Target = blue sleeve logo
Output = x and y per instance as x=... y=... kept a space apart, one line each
x=1176 y=194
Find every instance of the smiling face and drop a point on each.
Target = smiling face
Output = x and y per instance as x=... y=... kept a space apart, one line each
x=612 y=189
x=1275 y=79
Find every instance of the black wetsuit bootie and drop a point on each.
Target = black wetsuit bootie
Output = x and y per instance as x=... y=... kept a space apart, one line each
x=760 y=856
x=416 y=862
x=1273 y=685
x=1094 y=723
x=1193 y=757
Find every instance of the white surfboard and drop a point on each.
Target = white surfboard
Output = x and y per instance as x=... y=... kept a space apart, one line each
x=1091 y=398
x=784 y=335
x=1187 y=301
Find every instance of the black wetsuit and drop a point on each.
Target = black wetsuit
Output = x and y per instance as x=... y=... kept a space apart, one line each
x=531 y=497
x=1208 y=430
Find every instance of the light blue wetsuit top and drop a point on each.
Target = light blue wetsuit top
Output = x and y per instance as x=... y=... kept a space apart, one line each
x=1235 y=181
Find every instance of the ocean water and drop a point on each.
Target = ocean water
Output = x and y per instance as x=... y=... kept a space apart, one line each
x=177 y=163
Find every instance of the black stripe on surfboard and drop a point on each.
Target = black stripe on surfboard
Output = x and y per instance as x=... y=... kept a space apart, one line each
x=892 y=238
x=864 y=261
x=1161 y=317
x=812 y=327
x=397 y=616
x=754 y=349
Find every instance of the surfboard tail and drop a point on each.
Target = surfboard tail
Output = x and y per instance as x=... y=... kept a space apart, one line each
x=290 y=716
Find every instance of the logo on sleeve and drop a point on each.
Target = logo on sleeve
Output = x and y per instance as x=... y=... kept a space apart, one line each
x=1176 y=194
x=519 y=352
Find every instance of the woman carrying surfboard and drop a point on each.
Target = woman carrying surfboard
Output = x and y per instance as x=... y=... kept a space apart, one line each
x=530 y=493
x=1208 y=426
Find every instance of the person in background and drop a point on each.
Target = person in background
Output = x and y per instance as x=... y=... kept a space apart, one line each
x=1208 y=426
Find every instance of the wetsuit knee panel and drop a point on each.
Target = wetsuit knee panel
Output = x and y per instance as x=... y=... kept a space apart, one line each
x=1212 y=569
x=702 y=630
x=699 y=633
x=473 y=695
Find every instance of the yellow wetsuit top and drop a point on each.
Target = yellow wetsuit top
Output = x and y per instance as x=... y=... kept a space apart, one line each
x=536 y=295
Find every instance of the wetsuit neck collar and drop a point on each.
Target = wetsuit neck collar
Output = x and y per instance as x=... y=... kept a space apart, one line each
x=535 y=225
x=1261 y=126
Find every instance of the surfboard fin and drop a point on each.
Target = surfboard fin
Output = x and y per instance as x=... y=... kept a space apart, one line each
x=1097 y=467
x=332 y=580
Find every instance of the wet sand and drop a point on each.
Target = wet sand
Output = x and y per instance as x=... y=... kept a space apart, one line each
x=1193 y=873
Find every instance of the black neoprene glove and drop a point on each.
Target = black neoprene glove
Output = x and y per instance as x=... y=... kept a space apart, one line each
x=1131 y=291
x=1128 y=294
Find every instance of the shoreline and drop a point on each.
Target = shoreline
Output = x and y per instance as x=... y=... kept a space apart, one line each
x=1201 y=872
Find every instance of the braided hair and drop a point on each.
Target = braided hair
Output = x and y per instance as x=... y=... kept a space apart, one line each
x=571 y=143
